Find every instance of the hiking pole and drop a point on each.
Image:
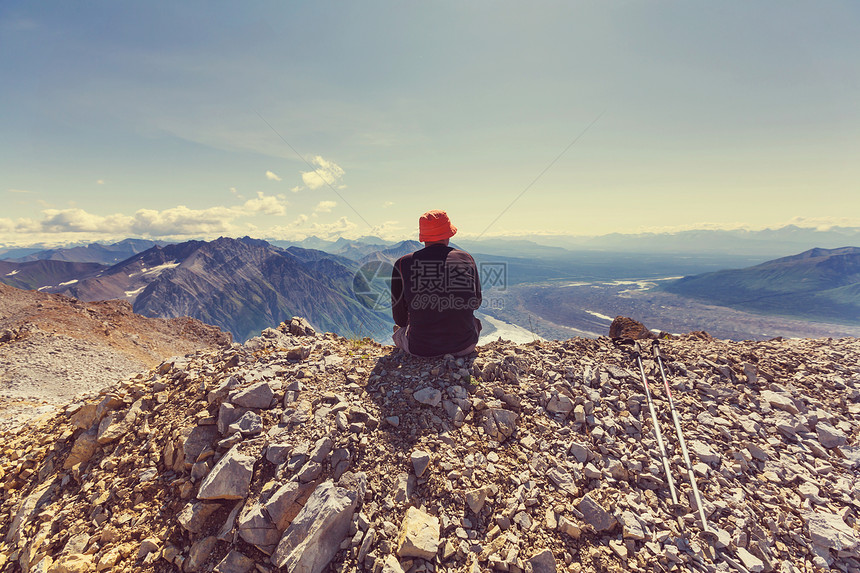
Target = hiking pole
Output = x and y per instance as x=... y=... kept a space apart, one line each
x=657 y=433
x=655 y=348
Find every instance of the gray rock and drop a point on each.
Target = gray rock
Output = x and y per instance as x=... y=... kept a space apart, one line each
x=234 y=562
x=752 y=563
x=256 y=528
x=542 y=562
x=420 y=460
x=250 y=424
x=286 y=503
x=356 y=482
x=230 y=478
x=259 y=395
x=321 y=450
x=779 y=401
x=476 y=498
x=631 y=528
x=301 y=327
x=580 y=452
x=309 y=472
x=704 y=452
x=594 y=515
x=568 y=527
x=830 y=437
x=829 y=530
x=563 y=480
x=429 y=396
x=198 y=440
x=194 y=515
x=278 y=453
x=227 y=414
x=498 y=423
x=116 y=425
x=314 y=537
x=200 y=552
x=560 y=404
x=404 y=487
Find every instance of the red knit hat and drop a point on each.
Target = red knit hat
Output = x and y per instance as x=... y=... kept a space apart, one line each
x=435 y=226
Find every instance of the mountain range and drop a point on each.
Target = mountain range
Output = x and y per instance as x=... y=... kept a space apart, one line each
x=244 y=285
x=818 y=284
x=241 y=285
x=92 y=253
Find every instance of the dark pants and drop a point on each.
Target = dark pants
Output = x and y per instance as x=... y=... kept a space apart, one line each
x=401 y=340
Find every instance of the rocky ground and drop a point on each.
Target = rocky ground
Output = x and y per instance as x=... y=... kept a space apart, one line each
x=308 y=452
x=53 y=347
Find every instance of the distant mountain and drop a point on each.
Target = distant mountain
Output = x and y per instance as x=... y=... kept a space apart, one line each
x=818 y=284
x=46 y=274
x=241 y=285
x=94 y=252
x=393 y=253
x=767 y=242
x=11 y=253
x=354 y=249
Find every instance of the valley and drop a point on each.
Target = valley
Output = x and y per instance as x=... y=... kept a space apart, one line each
x=565 y=308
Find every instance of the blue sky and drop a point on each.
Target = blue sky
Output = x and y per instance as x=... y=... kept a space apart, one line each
x=179 y=120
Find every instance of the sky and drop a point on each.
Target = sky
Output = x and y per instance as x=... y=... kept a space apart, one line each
x=281 y=120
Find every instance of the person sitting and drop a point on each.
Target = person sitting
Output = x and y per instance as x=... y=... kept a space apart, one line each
x=435 y=292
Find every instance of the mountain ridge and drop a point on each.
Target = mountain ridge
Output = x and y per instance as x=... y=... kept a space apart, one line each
x=816 y=284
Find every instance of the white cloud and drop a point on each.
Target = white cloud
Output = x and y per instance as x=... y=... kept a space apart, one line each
x=179 y=221
x=325 y=173
x=388 y=203
x=325 y=206
x=329 y=230
x=825 y=223
x=100 y=182
x=271 y=176
x=18 y=191
x=268 y=205
x=391 y=230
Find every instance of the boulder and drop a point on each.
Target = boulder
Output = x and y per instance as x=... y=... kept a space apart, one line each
x=830 y=437
x=627 y=328
x=419 y=535
x=830 y=530
x=259 y=395
x=498 y=423
x=594 y=515
x=314 y=537
x=230 y=478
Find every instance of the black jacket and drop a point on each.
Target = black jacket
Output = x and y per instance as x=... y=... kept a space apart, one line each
x=435 y=291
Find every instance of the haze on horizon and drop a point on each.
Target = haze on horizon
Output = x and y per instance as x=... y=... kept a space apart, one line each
x=180 y=120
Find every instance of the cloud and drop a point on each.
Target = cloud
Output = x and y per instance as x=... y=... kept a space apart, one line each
x=325 y=173
x=388 y=230
x=100 y=182
x=271 y=176
x=824 y=223
x=268 y=205
x=179 y=221
x=18 y=191
x=388 y=203
x=325 y=206
x=336 y=229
